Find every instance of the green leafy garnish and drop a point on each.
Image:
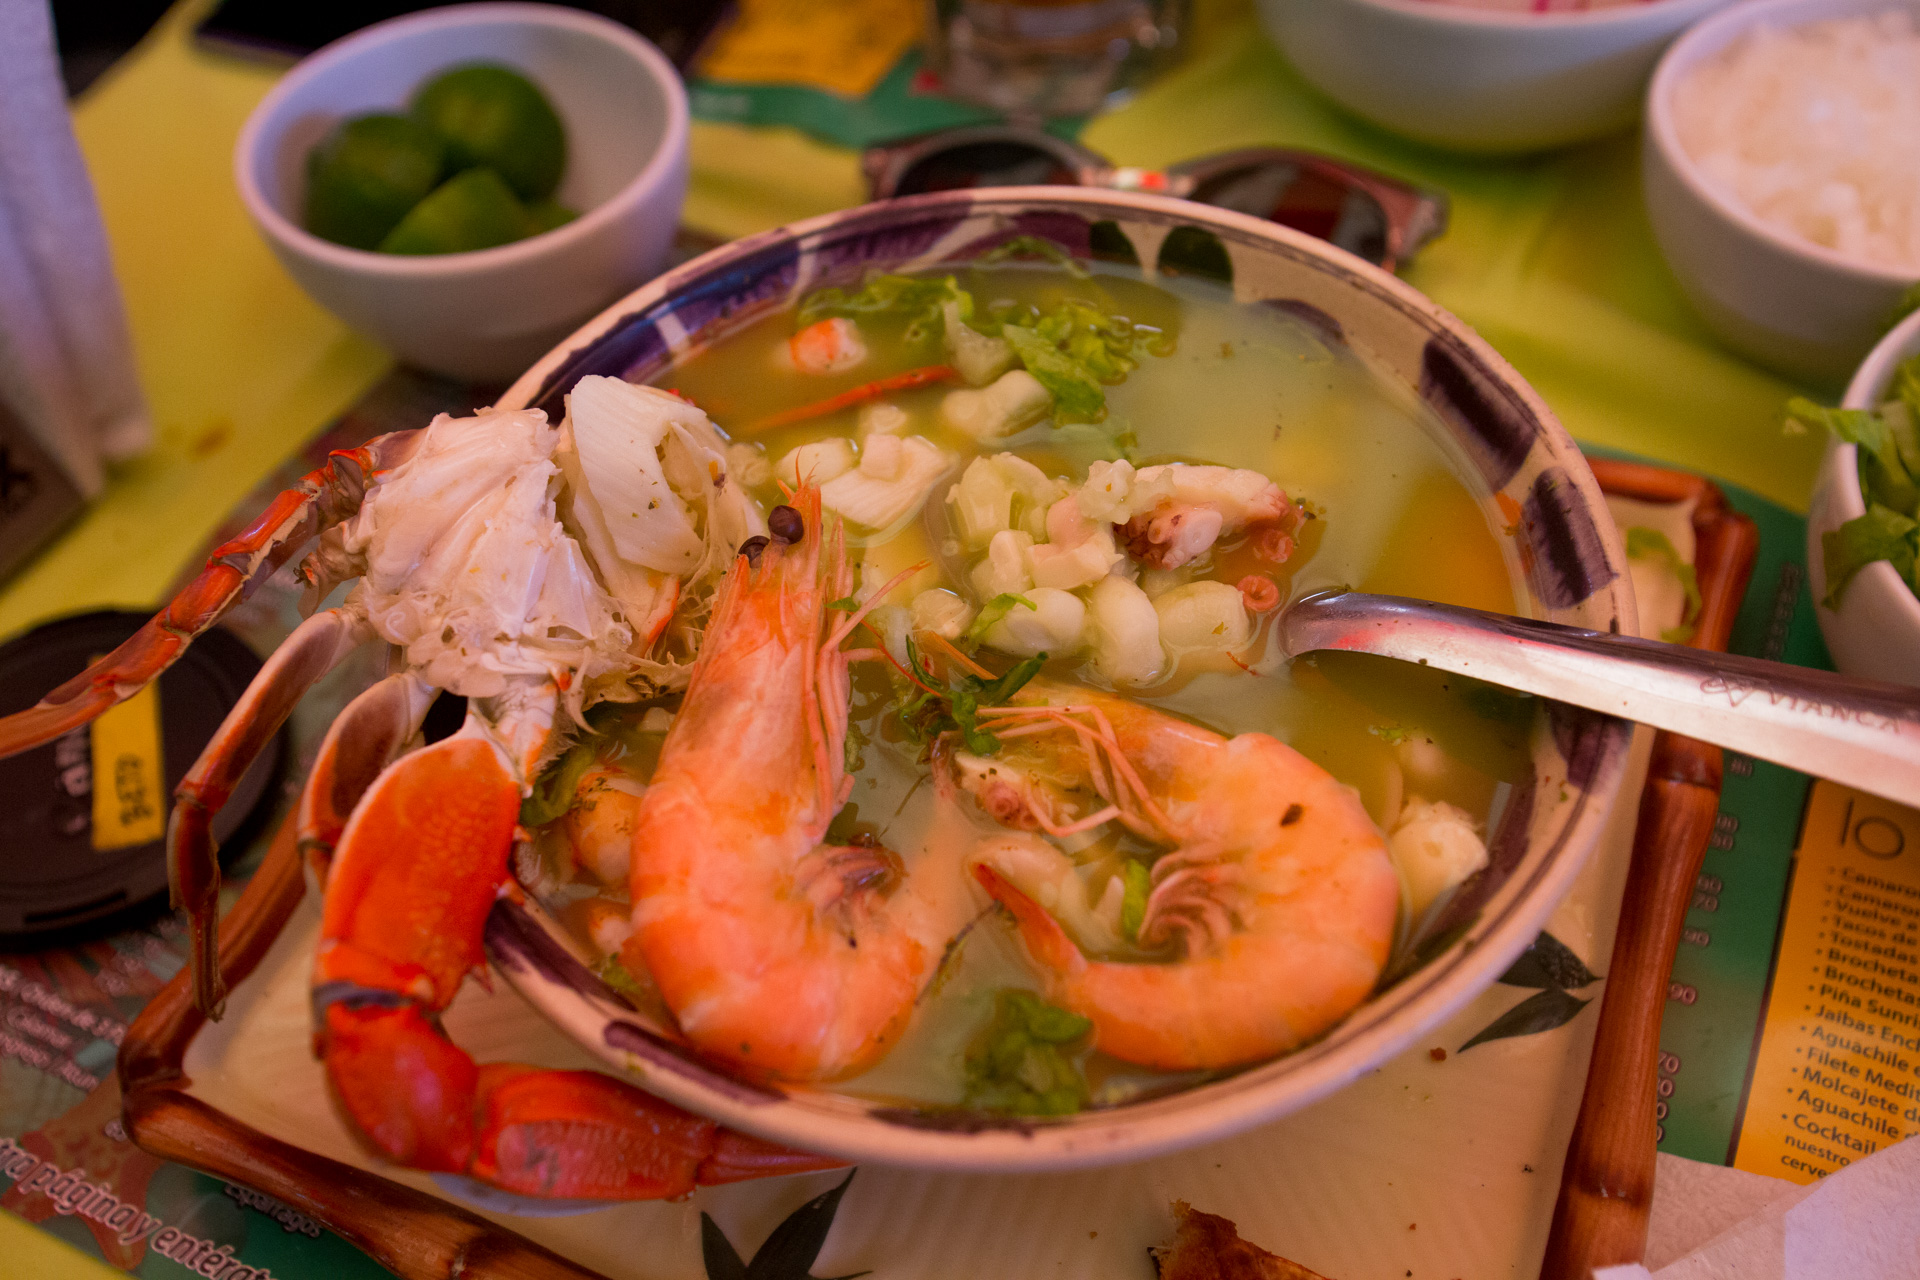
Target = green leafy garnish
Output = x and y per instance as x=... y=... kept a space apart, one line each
x=926 y=715
x=1073 y=350
x=1025 y=1061
x=1136 y=882
x=1032 y=247
x=994 y=610
x=845 y=604
x=1391 y=734
x=916 y=298
x=1886 y=475
x=552 y=793
x=1651 y=544
x=1881 y=534
x=1889 y=442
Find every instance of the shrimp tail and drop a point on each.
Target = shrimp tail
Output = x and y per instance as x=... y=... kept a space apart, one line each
x=1052 y=949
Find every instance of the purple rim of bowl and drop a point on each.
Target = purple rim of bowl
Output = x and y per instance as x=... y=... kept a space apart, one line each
x=1500 y=431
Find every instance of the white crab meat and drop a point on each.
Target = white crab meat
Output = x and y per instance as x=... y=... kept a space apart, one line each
x=892 y=481
x=1002 y=492
x=467 y=567
x=1013 y=400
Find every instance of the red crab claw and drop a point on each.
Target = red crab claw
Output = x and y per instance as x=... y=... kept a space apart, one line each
x=193 y=864
x=322 y=499
x=415 y=872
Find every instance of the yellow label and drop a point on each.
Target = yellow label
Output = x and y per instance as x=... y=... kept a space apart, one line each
x=129 y=782
x=843 y=46
x=1837 y=1075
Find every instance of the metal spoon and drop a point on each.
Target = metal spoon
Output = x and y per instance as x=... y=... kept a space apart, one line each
x=1859 y=732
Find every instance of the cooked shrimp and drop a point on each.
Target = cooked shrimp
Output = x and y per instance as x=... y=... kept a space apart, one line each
x=599 y=826
x=775 y=951
x=1272 y=914
x=827 y=346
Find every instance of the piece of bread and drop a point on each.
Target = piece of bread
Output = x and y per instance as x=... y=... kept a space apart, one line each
x=1207 y=1247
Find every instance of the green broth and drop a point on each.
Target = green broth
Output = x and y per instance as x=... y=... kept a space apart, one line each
x=1242 y=386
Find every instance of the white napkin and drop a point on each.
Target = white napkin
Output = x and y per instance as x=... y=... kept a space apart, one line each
x=1713 y=1223
x=66 y=360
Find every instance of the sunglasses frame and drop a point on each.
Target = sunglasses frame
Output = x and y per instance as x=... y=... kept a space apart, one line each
x=1415 y=215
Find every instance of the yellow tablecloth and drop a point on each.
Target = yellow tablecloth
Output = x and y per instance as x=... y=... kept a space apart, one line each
x=1550 y=258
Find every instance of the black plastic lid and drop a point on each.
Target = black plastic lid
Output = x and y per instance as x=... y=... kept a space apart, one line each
x=54 y=885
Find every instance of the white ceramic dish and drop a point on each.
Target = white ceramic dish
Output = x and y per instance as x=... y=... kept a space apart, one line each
x=1509 y=446
x=1790 y=304
x=1875 y=633
x=1476 y=79
x=488 y=314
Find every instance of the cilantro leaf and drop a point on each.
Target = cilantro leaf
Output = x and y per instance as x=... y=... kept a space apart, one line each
x=1076 y=392
x=845 y=604
x=1884 y=474
x=1026 y=1059
x=994 y=693
x=552 y=793
x=918 y=299
x=1881 y=534
x=1651 y=544
x=994 y=610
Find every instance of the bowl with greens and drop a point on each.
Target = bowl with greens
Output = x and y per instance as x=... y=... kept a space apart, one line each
x=1864 y=528
x=467 y=184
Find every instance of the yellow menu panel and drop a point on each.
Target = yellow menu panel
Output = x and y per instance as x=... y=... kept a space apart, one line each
x=843 y=46
x=1837 y=1075
x=129 y=785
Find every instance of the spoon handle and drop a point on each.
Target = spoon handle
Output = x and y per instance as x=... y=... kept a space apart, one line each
x=1860 y=732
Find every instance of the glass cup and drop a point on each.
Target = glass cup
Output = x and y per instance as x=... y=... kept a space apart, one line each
x=1037 y=59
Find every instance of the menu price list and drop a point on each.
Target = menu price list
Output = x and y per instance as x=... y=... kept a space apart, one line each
x=1836 y=1075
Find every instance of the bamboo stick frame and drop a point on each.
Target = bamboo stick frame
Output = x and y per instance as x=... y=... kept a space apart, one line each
x=1606 y=1184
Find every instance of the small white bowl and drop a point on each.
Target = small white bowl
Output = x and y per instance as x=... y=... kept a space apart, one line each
x=488 y=314
x=1785 y=302
x=1477 y=79
x=1875 y=633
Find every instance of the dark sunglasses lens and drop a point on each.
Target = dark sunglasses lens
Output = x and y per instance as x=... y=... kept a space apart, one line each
x=985 y=164
x=1306 y=201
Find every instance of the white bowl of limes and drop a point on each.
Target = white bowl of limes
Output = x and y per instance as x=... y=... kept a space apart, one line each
x=467 y=184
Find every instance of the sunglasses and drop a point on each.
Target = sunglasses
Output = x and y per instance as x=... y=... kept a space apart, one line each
x=1378 y=218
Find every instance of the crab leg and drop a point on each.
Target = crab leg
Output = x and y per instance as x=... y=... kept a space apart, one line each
x=322 y=499
x=415 y=872
x=368 y=735
x=193 y=864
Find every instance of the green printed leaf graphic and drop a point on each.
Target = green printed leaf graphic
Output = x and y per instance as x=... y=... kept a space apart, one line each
x=1548 y=962
x=1541 y=1011
x=788 y=1253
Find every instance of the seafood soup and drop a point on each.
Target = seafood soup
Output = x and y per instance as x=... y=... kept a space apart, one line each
x=1127 y=844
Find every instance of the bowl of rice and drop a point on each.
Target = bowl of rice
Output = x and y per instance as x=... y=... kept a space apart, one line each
x=1491 y=76
x=1783 y=179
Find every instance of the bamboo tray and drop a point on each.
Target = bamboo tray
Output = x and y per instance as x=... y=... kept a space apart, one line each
x=1440 y=1163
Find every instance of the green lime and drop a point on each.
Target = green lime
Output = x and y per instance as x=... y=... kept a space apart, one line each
x=366 y=174
x=473 y=209
x=493 y=116
x=548 y=214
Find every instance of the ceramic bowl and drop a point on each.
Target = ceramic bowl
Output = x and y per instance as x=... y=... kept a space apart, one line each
x=1787 y=303
x=1507 y=443
x=1875 y=633
x=1476 y=79
x=484 y=315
